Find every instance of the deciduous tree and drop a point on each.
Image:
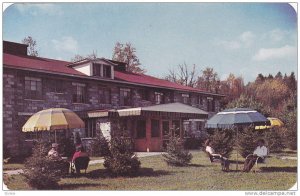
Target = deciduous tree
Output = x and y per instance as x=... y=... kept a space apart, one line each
x=127 y=53
x=183 y=75
x=31 y=50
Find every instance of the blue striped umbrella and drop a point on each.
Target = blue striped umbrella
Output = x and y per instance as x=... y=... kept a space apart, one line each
x=237 y=117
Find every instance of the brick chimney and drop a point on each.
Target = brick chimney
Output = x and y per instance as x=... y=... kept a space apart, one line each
x=14 y=48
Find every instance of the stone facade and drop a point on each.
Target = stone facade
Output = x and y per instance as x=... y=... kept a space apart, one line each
x=17 y=108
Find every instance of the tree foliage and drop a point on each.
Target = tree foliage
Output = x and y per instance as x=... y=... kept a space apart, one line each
x=209 y=80
x=78 y=57
x=31 y=50
x=232 y=87
x=41 y=172
x=272 y=92
x=247 y=141
x=121 y=159
x=222 y=141
x=245 y=101
x=127 y=53
x=176 y=155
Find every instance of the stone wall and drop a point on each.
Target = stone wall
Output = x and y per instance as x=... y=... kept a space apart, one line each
x=17 y=109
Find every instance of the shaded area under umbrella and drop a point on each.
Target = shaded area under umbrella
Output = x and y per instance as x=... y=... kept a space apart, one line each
x=236 y=118
x=53 y=119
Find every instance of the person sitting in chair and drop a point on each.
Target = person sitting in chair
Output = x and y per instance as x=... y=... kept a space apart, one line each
x=55 y=156
x=259 y=155
x=211 y=151
x=53 y=153
x=79 y=153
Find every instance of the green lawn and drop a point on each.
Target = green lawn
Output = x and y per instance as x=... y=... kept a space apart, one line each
x=200 y=175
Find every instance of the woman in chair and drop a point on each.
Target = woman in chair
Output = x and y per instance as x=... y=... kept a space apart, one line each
x=259 y=154
x=211 y=151
x=79 y=153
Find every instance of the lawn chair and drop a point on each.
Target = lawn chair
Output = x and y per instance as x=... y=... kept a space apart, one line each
x=81 y=163
x=261 y=160
x=224 y=164
x=211 y=158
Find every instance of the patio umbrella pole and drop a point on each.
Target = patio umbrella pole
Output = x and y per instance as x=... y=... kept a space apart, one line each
x=236 y=149
x=55 y=136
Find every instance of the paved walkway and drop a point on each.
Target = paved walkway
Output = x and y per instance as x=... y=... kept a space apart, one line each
x=92 y=162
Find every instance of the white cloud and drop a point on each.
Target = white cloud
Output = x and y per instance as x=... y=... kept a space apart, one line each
x=65 y=44
x=244 y=40
x=38 y=8
x=275 y=53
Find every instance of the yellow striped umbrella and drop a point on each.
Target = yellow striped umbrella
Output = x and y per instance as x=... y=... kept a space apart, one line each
x=275 y=122
x=53 y=119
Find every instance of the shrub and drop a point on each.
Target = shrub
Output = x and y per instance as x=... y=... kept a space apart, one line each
x=99 y=146
x=274 y=139
x=41 y=172
x=121 y=159
x=247 y=141
x=176 y=155
x=193 y=143
x=66 y=147
x=222 y=141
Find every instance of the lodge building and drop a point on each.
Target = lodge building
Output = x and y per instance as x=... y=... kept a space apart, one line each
x=104 y=95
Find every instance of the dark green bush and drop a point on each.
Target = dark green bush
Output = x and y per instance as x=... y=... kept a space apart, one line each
x=222 y=141
x=66 y=147
x=40 y=172
x=274 y=139
x=247 y=141
x=121 y=160
x=176 y=155
x=99 y=146
x=193 y=143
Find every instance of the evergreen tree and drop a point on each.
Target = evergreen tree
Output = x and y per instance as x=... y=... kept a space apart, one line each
x=176 y=155
x=41 y=172
x=121 y=159
x=274 y=139
x=222 y=141
x=247 y=141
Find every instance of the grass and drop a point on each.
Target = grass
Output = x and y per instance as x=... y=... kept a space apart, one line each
x=13 y=166
x=278 y=174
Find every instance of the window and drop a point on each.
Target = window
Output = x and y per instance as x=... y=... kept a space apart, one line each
x=144 y=94
x=200 y=100
x=176 y=127
x=106 y=71
x=96 y=69
x=104 y=95
x=33 y=88
x=79 y=93
x=57 y=86
x=166 y=128
x=125 y=97
x=141 y=129
x=200 y=125
x=186 y=128
x=158 y=98
x=210 y=104
x=155 y=130
x=185 y=98
x=90 y=127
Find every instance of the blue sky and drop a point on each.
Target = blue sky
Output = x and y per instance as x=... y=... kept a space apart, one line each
x=240 y=38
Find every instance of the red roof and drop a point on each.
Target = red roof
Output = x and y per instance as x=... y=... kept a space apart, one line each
x=150 y=80
x=57 y=66
x=39 y=63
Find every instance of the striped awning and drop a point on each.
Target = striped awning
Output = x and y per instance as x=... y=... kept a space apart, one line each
x=164 y=110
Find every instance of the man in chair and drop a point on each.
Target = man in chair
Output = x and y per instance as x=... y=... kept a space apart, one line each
x=259 y=154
